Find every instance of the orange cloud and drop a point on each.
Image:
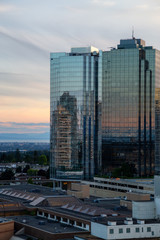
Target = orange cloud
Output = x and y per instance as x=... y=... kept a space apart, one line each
x=25 y=115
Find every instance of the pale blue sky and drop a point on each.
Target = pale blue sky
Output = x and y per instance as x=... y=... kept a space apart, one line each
x=31 y=29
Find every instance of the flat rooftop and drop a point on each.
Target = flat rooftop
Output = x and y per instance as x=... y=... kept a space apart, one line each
x=140 y=181
x=25 y=193
x=3 y=220
x=120 y=220
x=108 y=203
x=28 y=194
x=32 y=188
x=45 y=225
x=88 y=212
x=87 y=237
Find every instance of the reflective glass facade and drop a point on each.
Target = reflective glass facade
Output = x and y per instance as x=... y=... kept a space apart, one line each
x=131 y=78
x=75 y=110
x=157 y=112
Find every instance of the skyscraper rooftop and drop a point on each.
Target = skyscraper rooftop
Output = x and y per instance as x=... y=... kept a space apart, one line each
x=82 y=50
x=131 y=43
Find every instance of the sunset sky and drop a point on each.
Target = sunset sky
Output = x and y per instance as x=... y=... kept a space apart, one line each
x=31 y=29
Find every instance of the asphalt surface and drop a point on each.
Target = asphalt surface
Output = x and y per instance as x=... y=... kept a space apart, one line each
x=48 y=225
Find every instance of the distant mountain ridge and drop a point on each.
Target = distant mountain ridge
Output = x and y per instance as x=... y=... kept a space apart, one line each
x=24 y=136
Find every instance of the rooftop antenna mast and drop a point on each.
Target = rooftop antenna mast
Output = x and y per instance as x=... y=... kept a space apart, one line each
x=133 y=33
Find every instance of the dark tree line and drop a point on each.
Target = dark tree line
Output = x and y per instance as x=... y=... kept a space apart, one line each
x=27 y=157
x=126 y=170
x=8 y=174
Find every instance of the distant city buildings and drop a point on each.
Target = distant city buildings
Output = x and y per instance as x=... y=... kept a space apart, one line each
x=105 y=110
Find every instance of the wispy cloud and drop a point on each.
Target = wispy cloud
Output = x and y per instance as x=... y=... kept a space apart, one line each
x=27 y=43
x=106 y=3
x=7 y=8
x=29 y=30
x=142 y=7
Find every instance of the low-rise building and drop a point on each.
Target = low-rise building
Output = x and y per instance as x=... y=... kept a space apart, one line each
x=133 y=196
x=79 y=190
x=104 y=187
x=6 y=228
x=45 y=229
x=125 y=228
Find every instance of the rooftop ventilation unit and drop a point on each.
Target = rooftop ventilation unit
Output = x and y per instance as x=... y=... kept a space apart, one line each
x=103 y=215
x=41 y=222
x=140 y=221
x=128 y=222
x=112 y=223
x=114 y=214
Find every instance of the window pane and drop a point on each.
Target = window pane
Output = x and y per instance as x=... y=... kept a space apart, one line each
x=148 y=229
x=128 y=230
x=111 y=231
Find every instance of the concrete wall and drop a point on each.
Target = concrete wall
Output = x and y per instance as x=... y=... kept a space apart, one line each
x=156 y=185
x=105 y=193
x=143 y=210
x=79 y=190
x=157 y=195
x=103 y=231
x=16 y=238
x=77 y=194
x=41 y=234
x=76 y=186
x=6 y=230
x=99 y=230
x=119 y=186
x=137 y=196
x=11 y=213
x=127 y=204
x=157 y=206
x=134 y=197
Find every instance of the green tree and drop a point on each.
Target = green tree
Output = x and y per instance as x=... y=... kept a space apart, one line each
x=48 y=173
x=27 y=158
x=4 y=157
x=42 y=160
x=19 y=169
x=41 y=172
x=35 y=156
x=8 y=174
x=11 y=157
x=116 y=172
x=31 y=172
x=18 y=155
x=30 y=181
x=126 y=170
x=26 y=168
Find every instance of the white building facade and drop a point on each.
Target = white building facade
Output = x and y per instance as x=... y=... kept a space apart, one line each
x=127 y=230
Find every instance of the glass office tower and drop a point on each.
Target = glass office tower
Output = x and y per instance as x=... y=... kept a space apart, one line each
x=130 y=83
x=75 y=113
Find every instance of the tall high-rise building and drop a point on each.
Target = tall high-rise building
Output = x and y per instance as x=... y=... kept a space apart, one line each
x=130 y=106
x=75 y=110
